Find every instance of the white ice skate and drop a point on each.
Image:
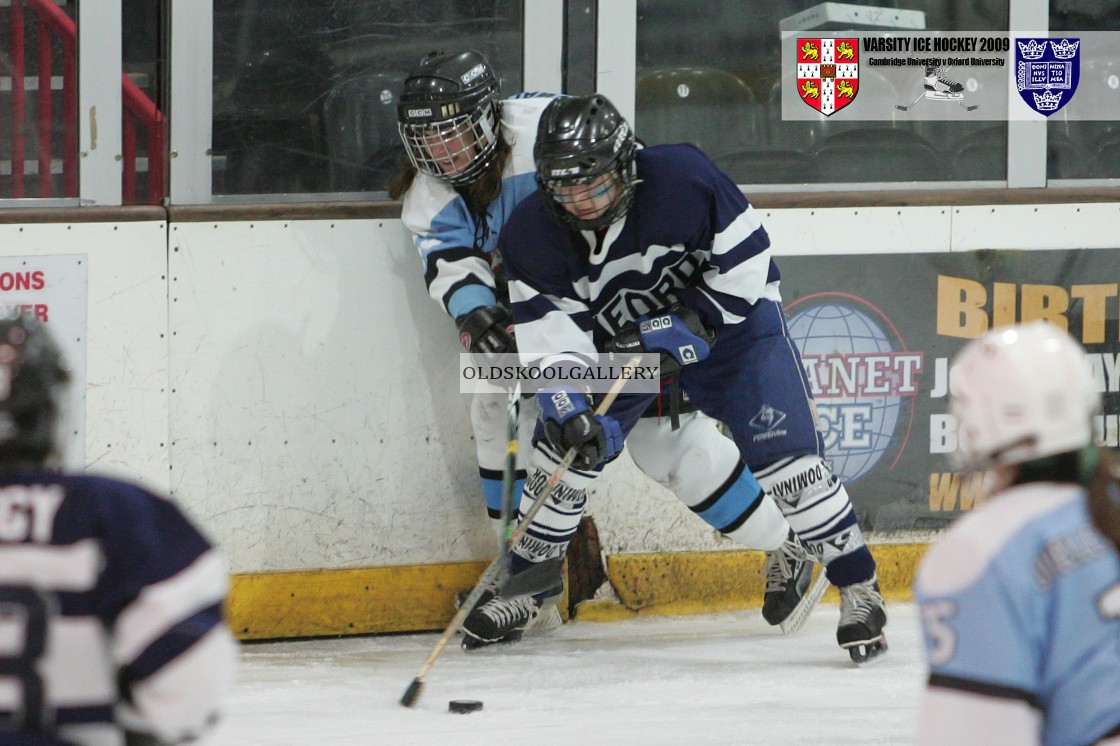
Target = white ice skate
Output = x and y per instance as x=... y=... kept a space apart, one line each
x=937 y=86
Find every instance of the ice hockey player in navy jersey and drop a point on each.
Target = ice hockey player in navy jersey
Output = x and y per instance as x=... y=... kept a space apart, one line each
x=655 y=250
x=111 y=625
x=1020 y=599
x=470 y=164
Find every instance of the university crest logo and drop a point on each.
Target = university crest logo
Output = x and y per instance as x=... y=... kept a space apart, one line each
x=1047 y=72
x=827 y=73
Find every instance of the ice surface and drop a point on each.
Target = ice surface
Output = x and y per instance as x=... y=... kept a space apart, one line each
x=719 y=679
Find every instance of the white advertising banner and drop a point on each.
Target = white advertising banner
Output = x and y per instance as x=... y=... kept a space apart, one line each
x=53 y=290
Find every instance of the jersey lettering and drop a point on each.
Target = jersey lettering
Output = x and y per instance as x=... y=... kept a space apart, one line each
x=27 y=512
x=629 y=303
x=23 y=628
x=941 y=638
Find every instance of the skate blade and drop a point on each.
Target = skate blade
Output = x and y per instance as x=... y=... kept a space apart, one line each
x=471 y=644
x=797 y=617
x=865 y=651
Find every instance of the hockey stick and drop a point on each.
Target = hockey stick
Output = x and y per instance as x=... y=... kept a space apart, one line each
x=412 y=693
x=804 y=608
x=508 y=472
x=900 y=107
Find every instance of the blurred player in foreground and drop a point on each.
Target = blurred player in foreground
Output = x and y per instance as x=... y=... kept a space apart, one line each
x=470 y=164
x=629 y=249
x=1020 y=600
x=111 y=627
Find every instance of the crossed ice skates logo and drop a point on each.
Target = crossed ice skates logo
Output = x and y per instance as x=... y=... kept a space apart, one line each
x=938 y=86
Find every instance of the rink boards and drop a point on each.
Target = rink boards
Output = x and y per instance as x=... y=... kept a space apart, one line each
x=291 y=384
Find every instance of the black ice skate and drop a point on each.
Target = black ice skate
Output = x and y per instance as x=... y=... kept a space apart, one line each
x=789 y=570
x=862 y=618
x=488 y=593
x=504 y=620
x=939 y=87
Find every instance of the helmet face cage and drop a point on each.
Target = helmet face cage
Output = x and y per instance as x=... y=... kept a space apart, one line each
x=1021 y=393
x=448 y=117
x=579 y=141
x=457 y=150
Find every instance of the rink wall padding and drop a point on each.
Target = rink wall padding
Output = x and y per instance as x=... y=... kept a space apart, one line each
x=283 y=375
x=420 y=598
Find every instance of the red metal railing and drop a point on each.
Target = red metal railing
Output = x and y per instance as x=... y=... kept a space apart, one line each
x=139 y=109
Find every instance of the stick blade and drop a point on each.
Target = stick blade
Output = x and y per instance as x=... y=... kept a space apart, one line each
x=412 y=693
x=540 y=577
x=797 y=618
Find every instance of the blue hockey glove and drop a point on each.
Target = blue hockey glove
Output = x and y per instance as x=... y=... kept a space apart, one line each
x=569 y=423
x=678 y=334
x=487 y=330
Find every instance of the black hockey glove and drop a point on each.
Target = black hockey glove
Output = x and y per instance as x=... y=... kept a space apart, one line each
x=487 y=330
x=678 y=334
x=569 y=423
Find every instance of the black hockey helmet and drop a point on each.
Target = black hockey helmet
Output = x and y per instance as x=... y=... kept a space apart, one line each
x=448 y=116
x=31 y=374
x=579 y=139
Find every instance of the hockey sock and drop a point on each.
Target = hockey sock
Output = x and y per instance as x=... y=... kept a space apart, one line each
x=703 y=468
x=817 y=507
x=742 y=511
x=492 y=492
x=556 y=522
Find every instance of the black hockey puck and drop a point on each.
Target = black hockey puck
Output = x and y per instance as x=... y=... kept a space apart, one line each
x=463 y=706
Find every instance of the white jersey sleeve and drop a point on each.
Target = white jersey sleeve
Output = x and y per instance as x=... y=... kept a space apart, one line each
x=457 y=246
x=110 y=614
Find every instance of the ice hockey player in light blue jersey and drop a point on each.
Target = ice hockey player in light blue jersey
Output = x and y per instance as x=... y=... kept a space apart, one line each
x=1020 y=600
x=111 y=627
x=470 y=164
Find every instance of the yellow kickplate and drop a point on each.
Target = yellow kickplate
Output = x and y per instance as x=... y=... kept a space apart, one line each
x=318 y=603
x=420 y=598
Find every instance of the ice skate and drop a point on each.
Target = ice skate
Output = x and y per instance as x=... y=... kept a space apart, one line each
x=862 y=618
x=789 y=570
x=549 y=616
x=938 y=87
x=488 y=593
x=504 y=620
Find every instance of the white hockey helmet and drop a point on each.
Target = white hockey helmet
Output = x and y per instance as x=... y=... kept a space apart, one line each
x=1020 y=393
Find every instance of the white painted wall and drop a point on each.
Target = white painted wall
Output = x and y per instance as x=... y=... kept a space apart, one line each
x=126 y=349
x=293 y=386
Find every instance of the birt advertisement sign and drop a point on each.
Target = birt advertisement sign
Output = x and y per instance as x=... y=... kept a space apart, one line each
x=877 y=357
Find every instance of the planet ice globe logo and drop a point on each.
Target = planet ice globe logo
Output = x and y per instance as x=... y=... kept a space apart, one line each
x=859 y=375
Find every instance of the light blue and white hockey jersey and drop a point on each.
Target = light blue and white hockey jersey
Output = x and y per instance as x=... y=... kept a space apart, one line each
x=1020 y=606
x=458 y=250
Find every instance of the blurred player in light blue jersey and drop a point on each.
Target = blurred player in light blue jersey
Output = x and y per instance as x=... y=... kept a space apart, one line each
x=111 y=627
x=470 y=164
x=627 y=249
x=1020 y=600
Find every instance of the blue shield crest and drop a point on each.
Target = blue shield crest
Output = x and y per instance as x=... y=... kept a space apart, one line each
x=1047 y=71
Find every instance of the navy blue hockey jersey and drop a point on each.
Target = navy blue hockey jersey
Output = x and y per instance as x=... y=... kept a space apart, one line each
x=690 y=237
x=110 y=614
